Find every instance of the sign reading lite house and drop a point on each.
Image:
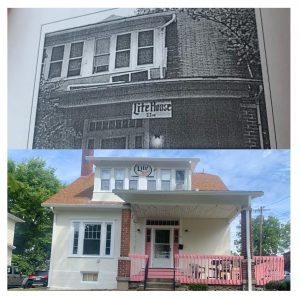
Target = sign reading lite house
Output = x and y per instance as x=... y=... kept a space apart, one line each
x=152 y=109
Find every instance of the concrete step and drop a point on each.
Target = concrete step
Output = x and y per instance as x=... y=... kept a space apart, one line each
x=158 y=289
x=166 y=285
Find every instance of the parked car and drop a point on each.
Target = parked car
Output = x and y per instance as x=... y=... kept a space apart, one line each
x=37 y=279
x=287 y=275
x=14 y=277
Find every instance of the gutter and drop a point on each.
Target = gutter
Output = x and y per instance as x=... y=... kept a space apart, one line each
x=163 y=54
x=259 y=118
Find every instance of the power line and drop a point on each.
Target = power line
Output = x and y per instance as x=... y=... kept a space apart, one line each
x=261 y=210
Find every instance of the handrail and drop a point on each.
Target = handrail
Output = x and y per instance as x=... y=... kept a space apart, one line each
x=174 y=275
x=146 y=273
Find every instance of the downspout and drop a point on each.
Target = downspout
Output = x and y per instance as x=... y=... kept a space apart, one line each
x=259 y=118
x=163 y=29
x=248 y=244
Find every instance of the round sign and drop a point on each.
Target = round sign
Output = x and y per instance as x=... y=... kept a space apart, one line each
x=142 y=170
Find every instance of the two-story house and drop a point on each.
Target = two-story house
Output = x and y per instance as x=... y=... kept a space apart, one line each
x=130 y=214
x=12 y=220
x=147 y=81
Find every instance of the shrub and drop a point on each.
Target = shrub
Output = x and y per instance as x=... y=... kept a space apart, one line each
x=278 y=285
x=198 y=287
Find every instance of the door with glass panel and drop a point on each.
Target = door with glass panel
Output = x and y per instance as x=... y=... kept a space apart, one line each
x=162 y=249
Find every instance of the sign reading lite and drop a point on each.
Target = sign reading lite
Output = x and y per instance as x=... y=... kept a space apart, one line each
x=152 y=109
x=142 y=170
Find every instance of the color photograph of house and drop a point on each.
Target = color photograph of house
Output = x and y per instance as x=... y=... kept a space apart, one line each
x=129 y=221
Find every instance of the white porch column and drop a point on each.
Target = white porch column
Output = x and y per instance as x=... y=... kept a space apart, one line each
x=248 y=244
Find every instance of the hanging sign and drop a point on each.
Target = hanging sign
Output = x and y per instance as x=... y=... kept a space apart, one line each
x=152 y=109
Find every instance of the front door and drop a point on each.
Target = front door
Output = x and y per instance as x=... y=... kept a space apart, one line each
x=162 y=249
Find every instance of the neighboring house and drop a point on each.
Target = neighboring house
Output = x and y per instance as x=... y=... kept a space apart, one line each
x=147 y=81
x=11 y=222
x=137 y=213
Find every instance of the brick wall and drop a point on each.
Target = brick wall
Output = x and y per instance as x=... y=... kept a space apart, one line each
x=123 y=263
x=202 y=50
x=125 y=232
x=250 y=125
x=196 y=123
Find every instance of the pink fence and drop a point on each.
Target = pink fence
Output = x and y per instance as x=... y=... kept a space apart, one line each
x=209 y=269
x=268 y=269
x=137 y=266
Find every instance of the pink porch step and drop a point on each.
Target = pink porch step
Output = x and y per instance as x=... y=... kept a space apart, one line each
x=166 y=273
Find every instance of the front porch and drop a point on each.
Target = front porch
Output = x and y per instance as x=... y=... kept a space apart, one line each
x=208 y=269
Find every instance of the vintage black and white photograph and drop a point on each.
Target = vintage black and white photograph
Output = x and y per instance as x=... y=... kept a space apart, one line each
x=152 y=78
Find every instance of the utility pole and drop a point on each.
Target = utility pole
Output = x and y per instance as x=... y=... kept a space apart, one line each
x=261 y=220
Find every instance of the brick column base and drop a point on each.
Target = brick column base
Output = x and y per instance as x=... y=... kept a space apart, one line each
x=124 y=261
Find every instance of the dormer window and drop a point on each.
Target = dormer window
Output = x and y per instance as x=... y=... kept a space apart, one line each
x=119 y=178
x=180 y=178
x=151 y=184
x=165 y=180
x=105 y=179
x=123 y=50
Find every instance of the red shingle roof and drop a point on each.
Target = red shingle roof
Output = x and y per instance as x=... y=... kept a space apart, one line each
x=81 y=190
x=208 y=182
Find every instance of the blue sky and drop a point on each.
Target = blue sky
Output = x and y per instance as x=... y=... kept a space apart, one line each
x=263 y=170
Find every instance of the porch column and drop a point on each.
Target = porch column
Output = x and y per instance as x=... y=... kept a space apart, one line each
x=247 y=249
x=124 y=262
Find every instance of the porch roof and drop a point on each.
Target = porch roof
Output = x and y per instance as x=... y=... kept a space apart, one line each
x=188 y=204
x=187 y=197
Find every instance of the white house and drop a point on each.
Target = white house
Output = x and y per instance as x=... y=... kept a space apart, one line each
x=137 y=218
x=11 y=223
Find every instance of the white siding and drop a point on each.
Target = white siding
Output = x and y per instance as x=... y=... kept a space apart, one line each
x=66 y=271
x=203 y=236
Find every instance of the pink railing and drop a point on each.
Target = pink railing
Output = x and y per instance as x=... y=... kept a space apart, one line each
x=137 y=266
x=209 y=269
x=268 y=269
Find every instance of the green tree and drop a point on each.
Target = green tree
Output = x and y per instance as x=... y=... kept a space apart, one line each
x=275 y=236
x=29 y=184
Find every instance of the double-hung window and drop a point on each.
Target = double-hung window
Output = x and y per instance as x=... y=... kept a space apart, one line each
x=180 y=178
x=123 y=50
x=75 y=59
x=119 y=178
x=165 y=180
x=105 y=179
x=151 y=184
x=92 y=238
x=56 y=62
x=145 y=47
x=101 y=58
x=133 y=184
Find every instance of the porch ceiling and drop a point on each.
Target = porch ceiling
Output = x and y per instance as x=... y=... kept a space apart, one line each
x=188 y=204
x=192 y=211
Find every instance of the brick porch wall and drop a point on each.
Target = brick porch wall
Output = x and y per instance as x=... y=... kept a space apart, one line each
x=123 y=262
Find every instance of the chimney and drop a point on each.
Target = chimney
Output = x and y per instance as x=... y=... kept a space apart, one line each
x=86 y=165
